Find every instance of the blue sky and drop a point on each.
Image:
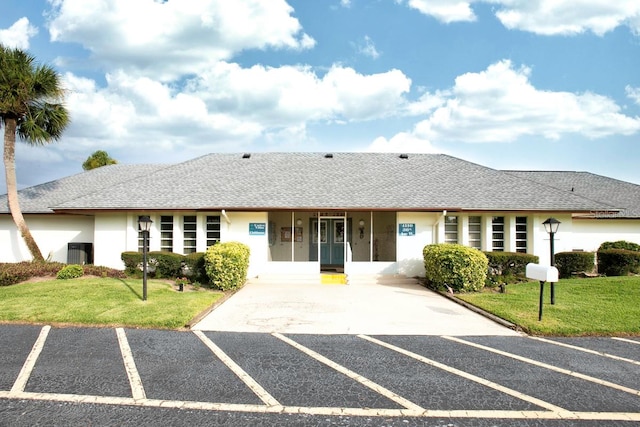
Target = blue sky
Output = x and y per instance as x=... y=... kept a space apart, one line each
x=509 y=84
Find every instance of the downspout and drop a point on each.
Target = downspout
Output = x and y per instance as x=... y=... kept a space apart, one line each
x=226 y=217
x=436 y=226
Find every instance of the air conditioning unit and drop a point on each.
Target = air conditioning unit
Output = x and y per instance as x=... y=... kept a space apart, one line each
x=79 y=253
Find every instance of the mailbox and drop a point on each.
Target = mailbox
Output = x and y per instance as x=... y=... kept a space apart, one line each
x=542 y=273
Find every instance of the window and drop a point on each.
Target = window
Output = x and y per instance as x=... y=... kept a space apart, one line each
x=521 y=234
x=213 y=230
x=497 y=238
x=475 y=232
x=189 y=226
x=166 y=233
x=451 y=229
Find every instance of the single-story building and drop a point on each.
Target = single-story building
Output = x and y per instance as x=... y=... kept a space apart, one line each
x=301 y=213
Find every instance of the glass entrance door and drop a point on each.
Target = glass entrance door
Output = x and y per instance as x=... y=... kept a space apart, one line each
x=330 y=239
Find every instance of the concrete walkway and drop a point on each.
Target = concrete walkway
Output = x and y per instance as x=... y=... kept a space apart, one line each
x=372 y=308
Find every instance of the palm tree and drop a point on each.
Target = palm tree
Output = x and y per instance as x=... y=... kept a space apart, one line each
x=31 y=107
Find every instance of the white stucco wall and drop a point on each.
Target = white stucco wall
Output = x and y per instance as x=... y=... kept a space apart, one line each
x=238 y=231
x=409 y=250
x=112 y=238
x=589 y=234
x=52 y=233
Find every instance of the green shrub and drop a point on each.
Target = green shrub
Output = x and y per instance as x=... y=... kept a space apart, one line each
x=618 y=262
x=508 y=267
x=620 y=244
x=460 y=267
x=71 y=271
x=574 y=262
x=132 y=262
x=167 y=264
x=227 y=264
x=196 y=264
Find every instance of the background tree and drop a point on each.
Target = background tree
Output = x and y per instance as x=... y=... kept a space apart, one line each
x=98 y=159
x=31 y=108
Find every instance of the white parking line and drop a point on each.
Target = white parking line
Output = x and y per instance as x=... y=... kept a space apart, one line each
x=30 y=363
x=547 y=366
x=586 y=350
x=354 y=376
x=626 y=340
x=324 y=411
x=137 y=390
x=236 y=369
x=469 y=376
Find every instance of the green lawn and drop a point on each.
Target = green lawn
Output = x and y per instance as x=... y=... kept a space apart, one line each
x=103 y=301
x=596 y=306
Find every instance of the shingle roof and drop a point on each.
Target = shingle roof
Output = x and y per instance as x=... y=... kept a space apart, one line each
x=620 y=194
x=312 y=181
x=40 y=198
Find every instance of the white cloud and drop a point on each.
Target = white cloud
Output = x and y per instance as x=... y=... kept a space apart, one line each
x=402 y=142
x=368 y=48
x=167 y=40
x=500 y=104
x=633 y=93
x=18 y=35
x=289 y=95
x=567 y=17
x=545 y=17
x=445 y=10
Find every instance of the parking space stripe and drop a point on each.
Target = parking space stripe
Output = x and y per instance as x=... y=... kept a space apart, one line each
x=468 y=376
x=263 y=394
x=137 y=389
x=626 y=340
x=586 y=350
x=30 y=363
x=355 y=412
x=353 y=375
x=547 y=366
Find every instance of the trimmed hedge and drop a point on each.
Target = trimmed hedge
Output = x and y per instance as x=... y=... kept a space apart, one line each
x=227 y=265
x=574 y=262
x=508 y=267
x=620 y=244
x=167 y=265
x=460 y=267
x=618 y=262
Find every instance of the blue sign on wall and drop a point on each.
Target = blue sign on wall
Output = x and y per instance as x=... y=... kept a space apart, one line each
x=257 y=229
x=406 y=229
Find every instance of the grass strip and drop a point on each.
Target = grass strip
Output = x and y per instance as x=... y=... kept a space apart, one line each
x=103 y=301
x=607 y=306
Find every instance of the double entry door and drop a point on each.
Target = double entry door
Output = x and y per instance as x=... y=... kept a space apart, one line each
x=330 y=239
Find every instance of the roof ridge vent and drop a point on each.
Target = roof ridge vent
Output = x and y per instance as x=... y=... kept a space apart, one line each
x=328 y=156
x=246 y=156
x=404 y=156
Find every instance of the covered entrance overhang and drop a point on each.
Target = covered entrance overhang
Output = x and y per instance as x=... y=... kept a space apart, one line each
x=334 y=241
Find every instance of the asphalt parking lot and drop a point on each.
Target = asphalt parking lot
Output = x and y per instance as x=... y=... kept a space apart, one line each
x=89 y=376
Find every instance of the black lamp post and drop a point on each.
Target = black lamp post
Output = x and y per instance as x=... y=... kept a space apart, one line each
x=144 y=224
x=551 y=226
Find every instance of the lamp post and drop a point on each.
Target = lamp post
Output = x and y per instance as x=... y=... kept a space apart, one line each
x=144 y=225
x=551 y=226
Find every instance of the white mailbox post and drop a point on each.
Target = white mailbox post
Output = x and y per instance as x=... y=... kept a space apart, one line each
x=543 y=274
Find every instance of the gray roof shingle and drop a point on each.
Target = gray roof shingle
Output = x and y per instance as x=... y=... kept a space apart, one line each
x=314 y=181
x=40 y=198
x=620 y=194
